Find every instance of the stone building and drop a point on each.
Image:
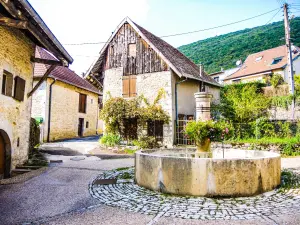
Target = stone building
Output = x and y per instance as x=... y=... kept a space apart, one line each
x=135 y=62
x=65 y=103
x=21 y=30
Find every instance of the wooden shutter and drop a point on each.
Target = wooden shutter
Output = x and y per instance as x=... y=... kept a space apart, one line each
x=126 y=83
x=132 y=86
x=7 y=86
x=19 y=89
x=82 y=103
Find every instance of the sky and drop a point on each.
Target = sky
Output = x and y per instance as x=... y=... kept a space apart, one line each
x=91 y=21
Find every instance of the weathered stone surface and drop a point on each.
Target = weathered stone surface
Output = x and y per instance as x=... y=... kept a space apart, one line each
x=240 y=173
x=15 y=52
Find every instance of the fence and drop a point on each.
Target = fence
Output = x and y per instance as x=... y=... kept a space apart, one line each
x=261 y=128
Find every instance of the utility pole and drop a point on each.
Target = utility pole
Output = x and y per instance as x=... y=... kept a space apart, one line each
x=289 y=56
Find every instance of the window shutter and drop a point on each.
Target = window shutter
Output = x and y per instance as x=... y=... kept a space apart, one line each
x=82 y=103
x=19 y=89
x=9 y=84
x=126 y=81
x=132 y=86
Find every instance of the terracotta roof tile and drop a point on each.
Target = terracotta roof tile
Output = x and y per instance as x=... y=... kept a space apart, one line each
x=61 y=73
x=263 y=62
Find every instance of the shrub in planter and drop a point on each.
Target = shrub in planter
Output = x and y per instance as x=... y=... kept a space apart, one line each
x=110 y=140
x=146 y=142
x=203 y=132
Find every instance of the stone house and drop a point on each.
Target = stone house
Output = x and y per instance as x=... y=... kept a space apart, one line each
x=65 y=104
x=261 y=65
x=135 y=62
x=21 y=30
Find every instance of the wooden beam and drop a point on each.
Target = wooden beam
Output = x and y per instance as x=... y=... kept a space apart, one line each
x=51 y=68
x=46 y=61
x=10 y=7
x=20 y=24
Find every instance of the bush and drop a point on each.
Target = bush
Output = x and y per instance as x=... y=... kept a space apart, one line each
x=110 y=140
x=276 y=80
x=146 y=142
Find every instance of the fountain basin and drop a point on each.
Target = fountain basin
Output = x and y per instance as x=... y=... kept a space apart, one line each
x=186 y=172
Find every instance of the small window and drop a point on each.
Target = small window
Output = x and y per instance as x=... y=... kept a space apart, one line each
x=277 y=60
x=216 y=79
x=236 y=81
x=132 y=50
x=7 y=83
x=82 y=103
x=87 y=124
x=129 y=86
x=19 y=89
x=92 y=101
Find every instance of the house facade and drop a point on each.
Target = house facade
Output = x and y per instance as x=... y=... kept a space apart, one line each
x=135 y=62
x=261 y=65
x=221 y=75
x=66 y=105
x=21 y=32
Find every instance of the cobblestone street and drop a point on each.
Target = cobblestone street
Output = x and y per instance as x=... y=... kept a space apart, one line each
x=65 y=194
x=128 y=196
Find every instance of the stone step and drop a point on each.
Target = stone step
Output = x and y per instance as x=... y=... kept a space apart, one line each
x=16 y=172
x=28 y=167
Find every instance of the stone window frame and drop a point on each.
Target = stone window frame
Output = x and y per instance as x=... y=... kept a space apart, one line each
x=7 y=83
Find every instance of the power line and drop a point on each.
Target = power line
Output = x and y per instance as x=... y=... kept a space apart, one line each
x=185 y=33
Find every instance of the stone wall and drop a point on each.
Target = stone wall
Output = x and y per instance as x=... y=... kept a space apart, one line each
x=148 y=85
x=15 y=52
x=64 y=111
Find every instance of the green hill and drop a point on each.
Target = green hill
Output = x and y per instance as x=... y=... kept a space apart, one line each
x=225 y=50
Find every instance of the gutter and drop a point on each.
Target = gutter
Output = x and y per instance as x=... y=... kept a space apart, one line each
x=176 y=98
x=49 y=109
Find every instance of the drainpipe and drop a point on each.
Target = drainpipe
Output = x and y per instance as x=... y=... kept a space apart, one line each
x=49 y=110
x=176 y=98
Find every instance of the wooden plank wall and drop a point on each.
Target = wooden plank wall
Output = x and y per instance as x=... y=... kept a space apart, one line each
x=145 y=61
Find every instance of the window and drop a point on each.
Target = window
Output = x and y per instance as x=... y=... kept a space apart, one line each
x=82 y=103
x=7 y=83
x=19 y=90
x=129 y=86
x=202 y=87
x=87 y=124
x=236 y=81
x=132 y=50
x=217 y=79
x=277 y=60
x=156 y=129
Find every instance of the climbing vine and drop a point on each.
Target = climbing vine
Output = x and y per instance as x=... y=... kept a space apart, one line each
x=118 y=113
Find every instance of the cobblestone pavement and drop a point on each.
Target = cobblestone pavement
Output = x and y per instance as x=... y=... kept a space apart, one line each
x=129 y=196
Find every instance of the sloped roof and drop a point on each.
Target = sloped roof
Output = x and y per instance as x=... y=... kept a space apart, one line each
x=263 y=62
x=178 y=62
x=63 y=74
x=35 y=27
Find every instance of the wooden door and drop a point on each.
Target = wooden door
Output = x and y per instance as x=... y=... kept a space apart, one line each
x=2 y=158
x=80 y=127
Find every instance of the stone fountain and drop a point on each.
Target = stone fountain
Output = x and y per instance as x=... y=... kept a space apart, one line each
x=224 y=173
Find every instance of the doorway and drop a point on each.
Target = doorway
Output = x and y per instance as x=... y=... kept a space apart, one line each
x=80 y=127
x=5 y=155
x=2 y=158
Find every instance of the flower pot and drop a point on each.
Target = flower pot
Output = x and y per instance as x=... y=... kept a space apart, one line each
x=203 y=146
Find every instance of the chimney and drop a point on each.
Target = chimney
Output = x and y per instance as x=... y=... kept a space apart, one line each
x=201 y=70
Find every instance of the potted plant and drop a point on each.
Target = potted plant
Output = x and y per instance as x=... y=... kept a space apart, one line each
x=203 y=132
